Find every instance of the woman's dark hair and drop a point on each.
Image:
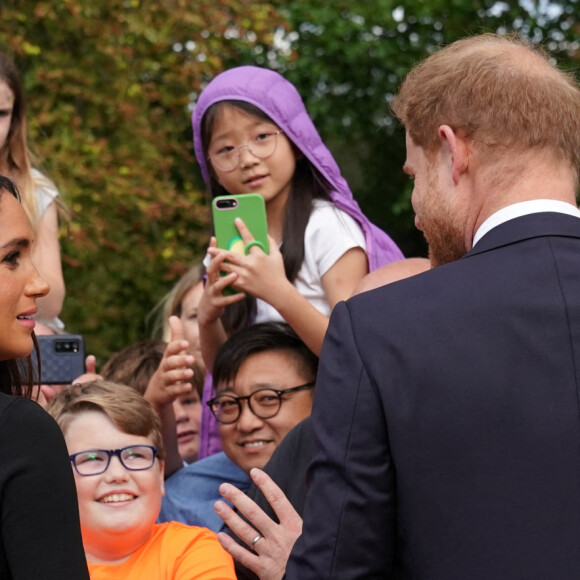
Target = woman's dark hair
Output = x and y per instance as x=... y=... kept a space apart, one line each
x=262 y=337
x=307 y=184
x=16 y=375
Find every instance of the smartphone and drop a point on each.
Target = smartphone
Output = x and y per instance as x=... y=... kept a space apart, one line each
x=252 y=209
x=248 y=206
x=62 y=359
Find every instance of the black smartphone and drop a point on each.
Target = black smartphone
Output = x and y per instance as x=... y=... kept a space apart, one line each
x=62 y=359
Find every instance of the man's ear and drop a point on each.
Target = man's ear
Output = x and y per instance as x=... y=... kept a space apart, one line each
x=456 y=148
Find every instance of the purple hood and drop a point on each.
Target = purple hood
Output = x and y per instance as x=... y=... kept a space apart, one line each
x=280 y=100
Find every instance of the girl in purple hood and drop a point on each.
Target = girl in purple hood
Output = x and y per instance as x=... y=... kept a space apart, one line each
x=252 y=134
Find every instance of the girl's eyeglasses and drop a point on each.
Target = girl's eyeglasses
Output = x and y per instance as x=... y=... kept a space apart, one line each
x=261 y=146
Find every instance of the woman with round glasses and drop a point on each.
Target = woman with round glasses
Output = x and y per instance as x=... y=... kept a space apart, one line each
x=116 y=452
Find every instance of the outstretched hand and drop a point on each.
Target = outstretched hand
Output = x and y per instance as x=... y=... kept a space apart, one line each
x=272 y=542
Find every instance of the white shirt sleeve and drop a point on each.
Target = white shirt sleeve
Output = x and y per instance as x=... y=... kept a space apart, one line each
x=330 y=233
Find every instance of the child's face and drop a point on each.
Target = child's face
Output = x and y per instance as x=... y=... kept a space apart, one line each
x=187 y=409
x=6 y=105
x=119 y=501
x=270 y=177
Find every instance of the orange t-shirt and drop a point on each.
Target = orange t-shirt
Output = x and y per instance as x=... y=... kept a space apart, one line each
x=174 y=551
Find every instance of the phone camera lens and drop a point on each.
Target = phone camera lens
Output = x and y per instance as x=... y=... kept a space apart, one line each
x=226 y=203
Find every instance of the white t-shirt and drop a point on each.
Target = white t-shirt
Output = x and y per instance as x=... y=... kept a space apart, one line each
x=329 y=234
x=44 y=190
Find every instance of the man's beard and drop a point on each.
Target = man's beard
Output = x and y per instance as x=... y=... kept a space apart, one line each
x=441 y=226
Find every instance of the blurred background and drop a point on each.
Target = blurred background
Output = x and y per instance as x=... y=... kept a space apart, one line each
x=111 y=84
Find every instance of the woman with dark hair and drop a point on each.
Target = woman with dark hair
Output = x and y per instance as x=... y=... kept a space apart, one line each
x=38 y=510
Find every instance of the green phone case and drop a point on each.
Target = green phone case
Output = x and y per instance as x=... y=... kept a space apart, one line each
x=248 y=206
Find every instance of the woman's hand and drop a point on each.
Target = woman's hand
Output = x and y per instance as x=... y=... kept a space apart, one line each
x=273 y=542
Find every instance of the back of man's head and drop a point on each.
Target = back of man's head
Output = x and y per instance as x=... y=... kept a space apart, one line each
x=500 y=92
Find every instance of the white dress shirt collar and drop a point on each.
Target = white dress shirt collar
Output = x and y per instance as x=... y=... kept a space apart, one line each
x=523 y=208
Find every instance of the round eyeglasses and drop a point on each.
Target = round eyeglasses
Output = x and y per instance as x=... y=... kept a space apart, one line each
x=96 y=461
x=264 y=403
x=262 y=146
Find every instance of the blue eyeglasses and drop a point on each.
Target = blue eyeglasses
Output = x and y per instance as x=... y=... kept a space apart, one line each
x=96 y=461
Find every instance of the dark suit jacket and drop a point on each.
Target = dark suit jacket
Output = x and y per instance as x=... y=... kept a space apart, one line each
x=447 y=420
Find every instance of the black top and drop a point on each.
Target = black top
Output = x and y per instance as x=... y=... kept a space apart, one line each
x=40 y=531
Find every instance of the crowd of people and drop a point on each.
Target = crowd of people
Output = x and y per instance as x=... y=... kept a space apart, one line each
x=324 y=408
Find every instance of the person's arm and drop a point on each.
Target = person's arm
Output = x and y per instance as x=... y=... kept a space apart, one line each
x=272 y=542
x=40 y=528
x=263 y=276
x=46 y=258
x=349 y=525
x=167 y=383
x=212 y=305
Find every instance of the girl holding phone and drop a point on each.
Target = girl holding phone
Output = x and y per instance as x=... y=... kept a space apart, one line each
x=252 y=134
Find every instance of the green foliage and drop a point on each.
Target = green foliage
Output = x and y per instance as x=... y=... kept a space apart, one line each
x=349 y=57
x=109 y=86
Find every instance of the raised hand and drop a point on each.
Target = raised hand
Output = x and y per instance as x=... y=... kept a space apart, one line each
x=271 y=542
x=171 y=377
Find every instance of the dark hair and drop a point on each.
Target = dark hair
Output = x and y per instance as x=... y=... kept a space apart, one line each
x=262 y=337
x=307 y=184
x=16 y=375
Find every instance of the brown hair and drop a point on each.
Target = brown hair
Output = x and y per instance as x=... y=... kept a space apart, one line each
x=136 y=364
x=124 y=407
x=500 y=92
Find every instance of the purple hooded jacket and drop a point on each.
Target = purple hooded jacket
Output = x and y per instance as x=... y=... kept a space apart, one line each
x=279 y=99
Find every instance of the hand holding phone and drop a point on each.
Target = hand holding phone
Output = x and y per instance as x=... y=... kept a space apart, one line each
x=62 y=359
x=250 y=207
